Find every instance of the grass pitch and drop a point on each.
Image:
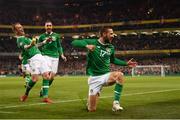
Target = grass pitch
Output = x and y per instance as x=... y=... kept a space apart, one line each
x=142 y=98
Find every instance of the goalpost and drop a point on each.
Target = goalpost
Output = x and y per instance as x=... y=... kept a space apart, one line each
x=150 y=70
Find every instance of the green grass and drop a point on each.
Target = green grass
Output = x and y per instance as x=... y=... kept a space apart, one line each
x=143 y=97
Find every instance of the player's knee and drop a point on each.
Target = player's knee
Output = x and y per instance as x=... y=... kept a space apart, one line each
x=46 y=75
x=34 y=78
x=52 y=75
x=119 y=76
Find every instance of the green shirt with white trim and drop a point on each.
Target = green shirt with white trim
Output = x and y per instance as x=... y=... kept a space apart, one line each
x=26 y=53
x=99 y=60
x=52 y=48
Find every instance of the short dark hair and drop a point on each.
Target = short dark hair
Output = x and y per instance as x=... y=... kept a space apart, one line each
x=13 y=26
x=103 y=30
x=48 y=21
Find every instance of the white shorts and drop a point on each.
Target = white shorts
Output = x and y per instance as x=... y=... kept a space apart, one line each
x=38 y=64
x=52 y=63
x=97 y=82
x=26 y=68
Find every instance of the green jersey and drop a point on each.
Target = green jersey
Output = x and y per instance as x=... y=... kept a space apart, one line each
x=53 y=48
x=26 y=53
x=24 y=59
x=98 y=60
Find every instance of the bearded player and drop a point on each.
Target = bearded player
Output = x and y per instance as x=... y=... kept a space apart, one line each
x=50 y=46
x=100 y=54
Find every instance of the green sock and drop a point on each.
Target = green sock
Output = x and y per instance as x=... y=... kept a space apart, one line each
x=45 y=88
x=50 y=82
x=41 y=92
x=27 y=78
x=29 y=86
x=117 y=91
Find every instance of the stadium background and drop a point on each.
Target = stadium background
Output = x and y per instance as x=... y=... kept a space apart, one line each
x=147 y=30
x=140 y=25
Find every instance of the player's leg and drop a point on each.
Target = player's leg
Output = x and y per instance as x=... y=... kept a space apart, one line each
x=53 y=65
x=116 y=77
x=95 y=85
x=29 y=86
x=92 y=102
x=27 y=77
x=51 y=78
x=26 y=73
x=34 y=66
x=45 y=70
x=45 y=87
x=54 y=68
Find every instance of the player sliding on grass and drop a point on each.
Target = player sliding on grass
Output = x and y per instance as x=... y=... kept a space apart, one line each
x=37 y=62
x=100 y=55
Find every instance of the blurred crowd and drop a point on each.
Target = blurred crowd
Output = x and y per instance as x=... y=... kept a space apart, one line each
x=87 y=12
x=8 y=44
x=149 y=42
x=92 y=12
x=77 y=66
x=76 y=63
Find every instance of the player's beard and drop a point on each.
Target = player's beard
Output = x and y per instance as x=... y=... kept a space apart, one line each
x=106 y=40
x=49 y=31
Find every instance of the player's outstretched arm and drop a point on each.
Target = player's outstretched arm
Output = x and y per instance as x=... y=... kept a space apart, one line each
x=31 y=44
x=82 y=43
x=131 y=63
x=40 y=44
x=117 y=61
x=79 y=43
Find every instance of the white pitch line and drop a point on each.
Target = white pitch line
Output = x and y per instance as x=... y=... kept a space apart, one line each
x=74 y=100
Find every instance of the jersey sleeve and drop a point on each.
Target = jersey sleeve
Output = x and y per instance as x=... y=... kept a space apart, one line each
x=117 y=61
x=82 y=43
x=20 y=44
x=40 y=40
x=60 y=49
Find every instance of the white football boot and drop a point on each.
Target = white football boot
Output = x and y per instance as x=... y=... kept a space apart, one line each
x=116 y=106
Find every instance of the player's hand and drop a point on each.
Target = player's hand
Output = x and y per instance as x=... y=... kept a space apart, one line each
x=90 y=47
x=131 y=63
x=63 y=57
x=33 y=41
x=49 y=39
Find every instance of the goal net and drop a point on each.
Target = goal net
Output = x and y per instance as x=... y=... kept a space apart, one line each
x=158 y=70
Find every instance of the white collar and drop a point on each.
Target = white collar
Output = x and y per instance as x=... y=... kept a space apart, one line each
x=19 y=36
x=101 y=42
x=50 y=33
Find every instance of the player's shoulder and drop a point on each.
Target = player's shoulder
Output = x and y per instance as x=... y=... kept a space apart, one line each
x=43 y=34
x=41 y=37
x=111 y=46
x=20 y=38
x=57 y=34
x=92 y=40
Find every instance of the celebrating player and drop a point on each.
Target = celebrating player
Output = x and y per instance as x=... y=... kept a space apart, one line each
x=37 y=62
x=100 y=55
x=50 y=47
